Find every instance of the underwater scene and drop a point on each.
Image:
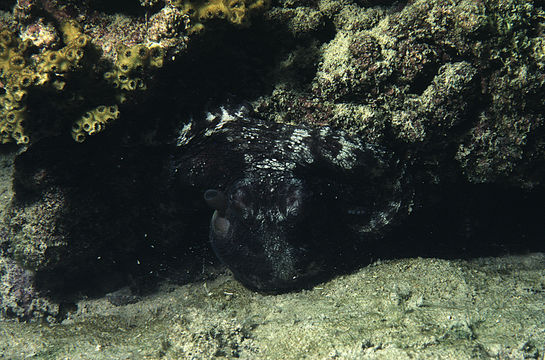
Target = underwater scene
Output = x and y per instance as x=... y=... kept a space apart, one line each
x=272 y=179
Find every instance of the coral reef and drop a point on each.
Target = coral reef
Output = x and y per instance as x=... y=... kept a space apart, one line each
x=19 y=72
x=426 y=76
x=40 y=56
x=60 y=56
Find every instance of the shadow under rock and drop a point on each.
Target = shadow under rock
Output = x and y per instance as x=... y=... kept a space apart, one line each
x=464 y=221
x=106 y=218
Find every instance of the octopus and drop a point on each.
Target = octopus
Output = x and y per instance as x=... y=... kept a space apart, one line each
x=288 y=201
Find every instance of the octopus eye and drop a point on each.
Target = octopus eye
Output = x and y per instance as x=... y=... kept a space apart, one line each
x=216 y=200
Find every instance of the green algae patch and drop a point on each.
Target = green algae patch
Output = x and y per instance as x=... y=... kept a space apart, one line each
x=418 y=308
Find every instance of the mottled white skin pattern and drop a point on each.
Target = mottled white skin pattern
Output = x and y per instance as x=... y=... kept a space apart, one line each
x=273 y=190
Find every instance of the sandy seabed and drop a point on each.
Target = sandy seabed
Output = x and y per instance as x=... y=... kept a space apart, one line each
x=409 y=308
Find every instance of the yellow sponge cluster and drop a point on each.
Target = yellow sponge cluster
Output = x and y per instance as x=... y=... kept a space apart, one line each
x=63 y=60
x=60 y=61
x=131 y=61
x=15 y=78
x=94 y=121
x=18 y=73
x=236 y=12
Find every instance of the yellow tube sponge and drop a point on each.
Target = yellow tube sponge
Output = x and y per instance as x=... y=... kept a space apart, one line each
x=236 y=12
x=132 y=61
x=71 y=30
x=19 y=71
x=15 y=77
x=94 y=121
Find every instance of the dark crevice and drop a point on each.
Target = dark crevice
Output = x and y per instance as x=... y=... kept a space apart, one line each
x=464 y=221
x=7 y=5
x=226 y=65
x=127 y=7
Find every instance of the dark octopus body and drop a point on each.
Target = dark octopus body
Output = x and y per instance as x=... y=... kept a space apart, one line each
x=290 y=202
